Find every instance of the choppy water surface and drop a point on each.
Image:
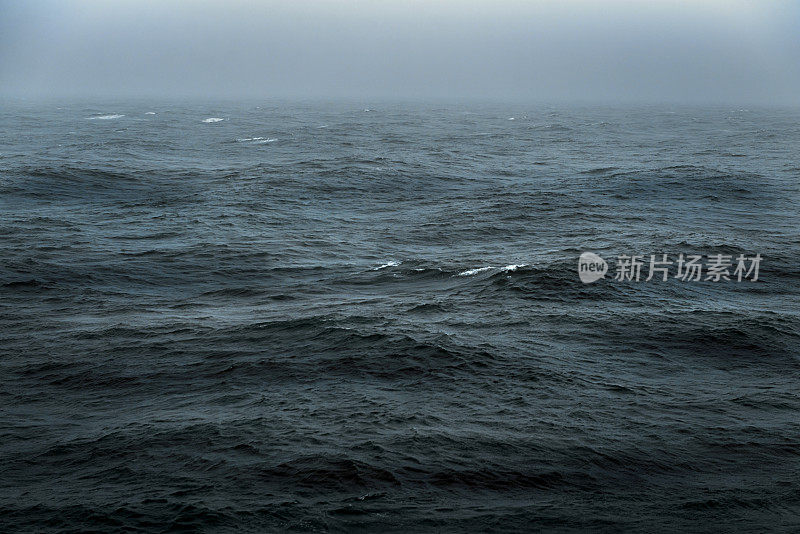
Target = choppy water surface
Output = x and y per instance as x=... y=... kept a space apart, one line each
x=275 y=316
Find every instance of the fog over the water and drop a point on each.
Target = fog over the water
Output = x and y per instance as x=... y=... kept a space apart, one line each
x=621 y=51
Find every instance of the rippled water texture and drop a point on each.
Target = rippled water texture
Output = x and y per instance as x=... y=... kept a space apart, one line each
x=274 y=316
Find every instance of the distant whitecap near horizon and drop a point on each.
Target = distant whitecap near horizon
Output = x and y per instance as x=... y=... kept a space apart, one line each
x=213 y=119
x=150 y=113
x=105 y=117
x=257 y=140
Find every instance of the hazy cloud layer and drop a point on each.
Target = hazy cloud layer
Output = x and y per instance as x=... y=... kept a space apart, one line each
x=661 y=50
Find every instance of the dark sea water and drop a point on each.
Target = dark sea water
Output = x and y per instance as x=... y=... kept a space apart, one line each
x=313 y=317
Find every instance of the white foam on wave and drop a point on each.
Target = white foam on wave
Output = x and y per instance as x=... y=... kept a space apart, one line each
x=257 y=140
x=390 y=263
x=213 y=119
x=470 y=272
x=150 y=113
x=105 y=117
x=507 y=268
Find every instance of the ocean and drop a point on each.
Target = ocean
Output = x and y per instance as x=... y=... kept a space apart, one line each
x=273 y=316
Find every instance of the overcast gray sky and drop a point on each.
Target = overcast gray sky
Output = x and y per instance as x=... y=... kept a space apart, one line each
x=594 y=50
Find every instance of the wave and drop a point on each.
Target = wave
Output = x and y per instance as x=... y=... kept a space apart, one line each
x=256 y=140
x=470 y=272
x=213 y=119
x=236 y=292
x=30 y=283
x=724 y=340
x=105 y=117
x=552 y=127
x=103 y=182
x=684 y=183
x=319 y=472
x=391 y=263
x=600 y=170
x=315 y=347
x=506 y=269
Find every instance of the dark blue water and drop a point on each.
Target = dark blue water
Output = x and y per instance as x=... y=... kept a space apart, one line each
x=313 y=317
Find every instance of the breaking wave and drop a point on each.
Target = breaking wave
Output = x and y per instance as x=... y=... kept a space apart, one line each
x=105 y=117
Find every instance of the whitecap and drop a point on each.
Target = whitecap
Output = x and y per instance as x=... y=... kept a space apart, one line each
x=150 y=113
x=511 y=118
x=470 y=272
x=509 y=268
x=256 y=140
x=105 y=117
x=213 y=119
x=390 y=263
